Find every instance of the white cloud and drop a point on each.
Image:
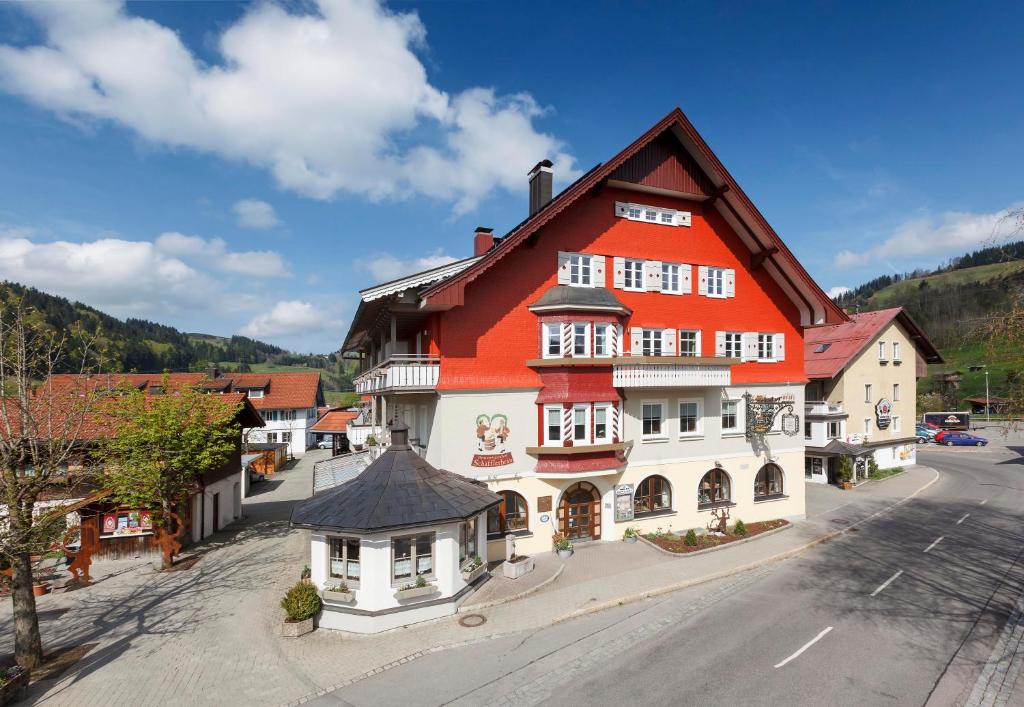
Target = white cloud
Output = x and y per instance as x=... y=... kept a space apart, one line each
x=838 y=290
x=213 y=253
x=930 y=239
x=253 y=213
x=329 y=101
x=385 y=266
x=288 y=318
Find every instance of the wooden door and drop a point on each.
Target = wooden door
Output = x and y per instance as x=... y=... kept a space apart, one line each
x=580 y=512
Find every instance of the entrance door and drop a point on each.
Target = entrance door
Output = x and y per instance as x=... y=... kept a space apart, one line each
x=216 y=512
x=579 y=512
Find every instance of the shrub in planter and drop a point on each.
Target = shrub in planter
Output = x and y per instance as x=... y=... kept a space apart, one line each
x=301 y=602
x=630 y=534
x=371 y=441
x=845 y=472
x=740 y=528
x=691 y=538
x=306 y=573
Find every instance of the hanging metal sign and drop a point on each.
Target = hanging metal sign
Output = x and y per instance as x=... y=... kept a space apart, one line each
x=761 y=411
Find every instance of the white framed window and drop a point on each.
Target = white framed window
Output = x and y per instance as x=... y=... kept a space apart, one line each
x=671 y=278
x=581 y=423
x=716 y=282
x=895 y=351
x=834 y=429
x=653 y=419
x=633 y=275
x=867 y=392
x=552 y=333
x=689 y=342
x=766 y=348
x=286 y=437
x=733 y=344
x=412 y=556
x=272 y=437
x=255 y=392
x=344 y=560
x=881 y=350
x=581 y=339
x=553 y=425
x=602 y=423
x=808 y=430
x=603 y=337
x=652 y=341
x=581 y=270
x=652 y=214
x=867 y=425
x=896 y=424
x=730 y=416
x=690 y=420
x=895 y=392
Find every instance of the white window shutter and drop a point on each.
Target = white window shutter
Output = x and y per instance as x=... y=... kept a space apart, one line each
x=617 y=350
x=636 y=341
x=780 y=347
x=652 y=275
x=750 y=346
x=619 y=272
x=730 y=283
x=598 y=269
x=682 y=218
x=719 y=343
x=668 y=341
x=686 y=278
x=700 y=350
x=702 y=279
x=563 y=268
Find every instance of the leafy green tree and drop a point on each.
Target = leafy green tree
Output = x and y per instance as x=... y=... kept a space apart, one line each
x=160 y=447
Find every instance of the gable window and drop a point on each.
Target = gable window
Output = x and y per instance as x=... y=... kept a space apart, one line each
x=671 y=278
x=689 y=418
x=580 y=339
x=651 y=339
x=255 y=392
x=730 y=416
x=345 y=559
x=653 y=419
x=897 y=426
x=580 y=423
x=652 y=494
x=733 y=344
x=552 y=340
x=580 y=270
x=603 y=339
x=689 y=342
x=881 y=350
x=895 y=392
x=509 y=516
x=602 y=428
x=768 y=482
x=633 y=274
x=895 y=351
x=633 y=212
x=716 y=282
x=553 y=425
x=867 y=392
x=766 y=347
x=867 y=425
x=652 y=214
x=412 y=556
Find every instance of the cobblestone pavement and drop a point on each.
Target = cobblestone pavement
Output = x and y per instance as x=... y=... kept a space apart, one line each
x=209 y=634
x=995 y=686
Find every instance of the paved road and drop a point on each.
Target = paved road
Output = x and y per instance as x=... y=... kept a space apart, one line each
x=902 y=611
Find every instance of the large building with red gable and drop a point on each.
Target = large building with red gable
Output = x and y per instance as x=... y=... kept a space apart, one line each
x=590 y=365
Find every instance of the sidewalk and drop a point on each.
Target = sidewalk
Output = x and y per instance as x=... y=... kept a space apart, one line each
x=209 y=635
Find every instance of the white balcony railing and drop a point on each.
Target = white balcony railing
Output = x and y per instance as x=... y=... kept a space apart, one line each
x=820 y=407
x=400 y=372
x=669 y=375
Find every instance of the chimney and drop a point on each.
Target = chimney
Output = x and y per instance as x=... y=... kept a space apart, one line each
x=483 y=241
x=541 y=177
x=213 y=372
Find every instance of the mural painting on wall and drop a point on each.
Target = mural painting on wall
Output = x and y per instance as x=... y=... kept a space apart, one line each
x=492 y=433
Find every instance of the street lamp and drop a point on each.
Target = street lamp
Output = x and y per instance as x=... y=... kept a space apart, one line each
x=988 y=404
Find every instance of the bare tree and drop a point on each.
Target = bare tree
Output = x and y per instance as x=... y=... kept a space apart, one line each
x=41 y=423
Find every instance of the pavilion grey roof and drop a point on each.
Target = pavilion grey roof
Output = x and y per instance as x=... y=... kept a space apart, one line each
x=566 y=297
x=841 y=449
x=398 y=490
x=337 y=470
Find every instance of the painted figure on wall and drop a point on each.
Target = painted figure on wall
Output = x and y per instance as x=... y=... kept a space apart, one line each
x=492 y=433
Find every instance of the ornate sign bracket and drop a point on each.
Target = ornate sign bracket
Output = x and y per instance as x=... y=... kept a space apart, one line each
x=762 y=410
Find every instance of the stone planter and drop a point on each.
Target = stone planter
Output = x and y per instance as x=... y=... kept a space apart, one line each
x=515 y=570
x=338 y=597
x=415 y=592
x=629 y=539
x=294 y=629
x=15 y=689
x=565 y=554
x=472 y=575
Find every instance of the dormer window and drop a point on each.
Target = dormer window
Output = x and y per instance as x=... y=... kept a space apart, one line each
x=255 y=392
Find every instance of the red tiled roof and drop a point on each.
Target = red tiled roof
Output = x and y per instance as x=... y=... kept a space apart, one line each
x=335 y=421
x=845 y=341
x=281 y=391
x=99 y=381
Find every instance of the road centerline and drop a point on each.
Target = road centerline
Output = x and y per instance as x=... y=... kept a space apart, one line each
x=966 y=516
x=805 y=647
x=934 y=543
x=886 y=583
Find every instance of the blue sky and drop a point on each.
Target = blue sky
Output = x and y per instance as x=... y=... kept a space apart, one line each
x=245 y=168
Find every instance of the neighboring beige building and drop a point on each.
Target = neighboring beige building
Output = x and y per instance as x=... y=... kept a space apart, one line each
x=862 y=396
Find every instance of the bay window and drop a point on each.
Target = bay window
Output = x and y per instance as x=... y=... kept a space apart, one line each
x=344 y=557
x=467 y=541
x=580 y=339
x=580 y=423
x=552 y=340
x=553 y=425
x=603 y=338
x=412 y=556
x=602 y=423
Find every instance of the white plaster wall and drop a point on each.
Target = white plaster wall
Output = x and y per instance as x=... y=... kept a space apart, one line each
x=302 y=438
x=225 y=487
x=896 y=456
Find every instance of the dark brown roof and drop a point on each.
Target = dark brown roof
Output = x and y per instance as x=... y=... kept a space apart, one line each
x=565 y=297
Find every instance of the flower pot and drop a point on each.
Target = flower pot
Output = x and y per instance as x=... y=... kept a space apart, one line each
x=629 y=539
x=39 y=590
x=515 y=570
x=338 y=597
x=565 y=554
x=415 y=592
x=847 y=485
x=294 y=629
x=471 y=576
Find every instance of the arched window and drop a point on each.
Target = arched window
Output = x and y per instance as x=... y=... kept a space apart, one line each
x=768 y=482
x=714 y=488
x=511 y=515
x=652 y=494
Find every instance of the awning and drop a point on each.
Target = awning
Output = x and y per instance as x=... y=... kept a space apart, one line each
x=836 y=448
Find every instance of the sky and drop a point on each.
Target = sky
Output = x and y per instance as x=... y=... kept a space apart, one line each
x=248 y=167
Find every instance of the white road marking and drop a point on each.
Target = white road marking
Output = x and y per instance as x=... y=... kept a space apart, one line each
x=966 y=516
x=805 y=647
x=983 y=502
x=886 y=583
x=937 y=541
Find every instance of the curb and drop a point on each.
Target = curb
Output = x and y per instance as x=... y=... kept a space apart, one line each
x=718 y=548
x=525 y=593
x=633 y=598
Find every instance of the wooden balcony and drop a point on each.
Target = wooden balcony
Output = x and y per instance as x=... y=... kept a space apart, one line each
x=400 y=373
x=671 y=372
